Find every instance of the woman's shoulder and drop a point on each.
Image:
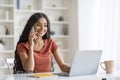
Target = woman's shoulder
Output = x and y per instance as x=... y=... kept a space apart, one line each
x=51 y=42
x=23 y=44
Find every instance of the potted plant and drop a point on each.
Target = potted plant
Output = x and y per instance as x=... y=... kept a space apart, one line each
x=2 y=44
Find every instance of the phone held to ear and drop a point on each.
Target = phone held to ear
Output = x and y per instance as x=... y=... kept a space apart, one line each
x=32 y=30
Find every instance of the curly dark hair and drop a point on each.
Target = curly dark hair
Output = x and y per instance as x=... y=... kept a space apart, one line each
x=18 y=68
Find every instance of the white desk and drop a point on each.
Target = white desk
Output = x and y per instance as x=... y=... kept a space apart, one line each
x=87 y=77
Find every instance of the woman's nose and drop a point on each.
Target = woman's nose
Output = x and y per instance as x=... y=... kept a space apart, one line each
x=42 y=27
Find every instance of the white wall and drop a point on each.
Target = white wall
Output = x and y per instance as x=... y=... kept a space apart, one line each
x=88 y=30
x=73 y=26
x=99 y=22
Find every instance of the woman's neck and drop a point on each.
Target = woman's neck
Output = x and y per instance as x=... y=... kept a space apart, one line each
x=39 y=41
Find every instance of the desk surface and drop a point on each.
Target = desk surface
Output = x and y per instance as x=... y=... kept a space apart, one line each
x=87 y=77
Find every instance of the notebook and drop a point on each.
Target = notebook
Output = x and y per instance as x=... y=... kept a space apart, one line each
x=85 y=62
x=43 y=75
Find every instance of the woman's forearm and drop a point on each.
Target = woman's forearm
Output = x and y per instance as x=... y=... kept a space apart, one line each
x=29 y=64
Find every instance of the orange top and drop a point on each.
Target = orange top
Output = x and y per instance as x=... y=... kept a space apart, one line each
x=43 y=57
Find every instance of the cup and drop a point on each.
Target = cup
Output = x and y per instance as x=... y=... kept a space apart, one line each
x=108 y=66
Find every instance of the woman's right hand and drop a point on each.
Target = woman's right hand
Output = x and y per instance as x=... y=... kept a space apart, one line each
x=32 y=38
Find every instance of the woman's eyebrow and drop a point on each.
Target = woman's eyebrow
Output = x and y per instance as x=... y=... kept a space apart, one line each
x=44 y=23
x=41 y=23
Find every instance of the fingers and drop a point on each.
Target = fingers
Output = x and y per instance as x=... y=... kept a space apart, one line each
x=33 y=35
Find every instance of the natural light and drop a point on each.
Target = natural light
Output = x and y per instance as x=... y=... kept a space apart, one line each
x=99 y=27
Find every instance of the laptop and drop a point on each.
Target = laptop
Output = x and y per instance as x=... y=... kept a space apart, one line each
x=85 y=62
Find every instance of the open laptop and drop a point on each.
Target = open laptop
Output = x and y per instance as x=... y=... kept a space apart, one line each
x=85 y=62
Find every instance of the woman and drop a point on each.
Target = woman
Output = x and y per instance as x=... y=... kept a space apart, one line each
x=35 y=48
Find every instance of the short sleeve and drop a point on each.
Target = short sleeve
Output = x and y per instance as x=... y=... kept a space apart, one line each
x=21 y=48
x=54 y=46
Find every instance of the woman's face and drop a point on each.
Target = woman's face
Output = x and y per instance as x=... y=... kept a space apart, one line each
x=41 y=27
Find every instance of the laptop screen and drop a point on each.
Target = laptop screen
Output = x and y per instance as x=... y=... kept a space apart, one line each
x=85 y=62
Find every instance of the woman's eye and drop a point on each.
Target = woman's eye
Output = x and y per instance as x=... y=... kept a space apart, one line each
x=38 y=25
x=45 y=25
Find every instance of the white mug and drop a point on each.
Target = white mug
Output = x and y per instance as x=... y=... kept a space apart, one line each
x=109 y=66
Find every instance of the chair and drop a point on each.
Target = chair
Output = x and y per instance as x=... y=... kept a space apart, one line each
x=10 y=64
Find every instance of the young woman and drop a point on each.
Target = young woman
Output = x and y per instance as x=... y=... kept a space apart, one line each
x=35 y=48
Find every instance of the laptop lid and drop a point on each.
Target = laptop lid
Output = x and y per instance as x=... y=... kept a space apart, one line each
x=85 y=62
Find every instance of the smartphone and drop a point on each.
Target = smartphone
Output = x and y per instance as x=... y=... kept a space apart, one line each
x=32 y=30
